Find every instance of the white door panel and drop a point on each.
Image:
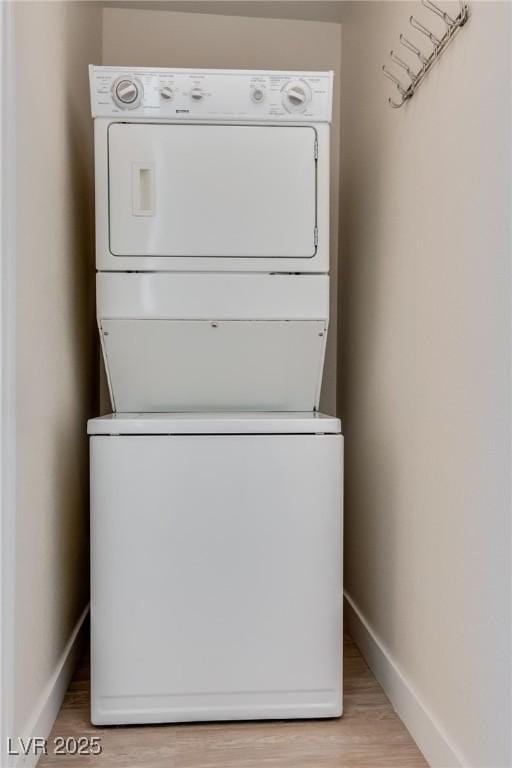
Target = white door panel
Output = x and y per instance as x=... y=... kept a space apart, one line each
x=212 y=191
x=189 y=365
x=216 y=577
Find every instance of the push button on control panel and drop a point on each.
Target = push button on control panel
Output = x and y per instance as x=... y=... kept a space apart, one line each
x=258 y=94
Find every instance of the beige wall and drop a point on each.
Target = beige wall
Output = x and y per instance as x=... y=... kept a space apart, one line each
x=425 y=362
x=166 y=39
x=425 y=376
x=56 y=336
x=307 y=10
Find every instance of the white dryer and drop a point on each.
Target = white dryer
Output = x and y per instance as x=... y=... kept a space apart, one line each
x=212 y=237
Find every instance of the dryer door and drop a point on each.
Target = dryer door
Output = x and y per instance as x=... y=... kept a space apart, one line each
x=212 y=191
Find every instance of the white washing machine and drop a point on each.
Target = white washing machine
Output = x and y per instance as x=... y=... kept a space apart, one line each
x=216 y=567
x=216 y=486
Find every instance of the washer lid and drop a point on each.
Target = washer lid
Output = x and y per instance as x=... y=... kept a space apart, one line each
x=213 y=423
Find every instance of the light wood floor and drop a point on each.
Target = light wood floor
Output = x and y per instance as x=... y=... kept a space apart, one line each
x=369 y=735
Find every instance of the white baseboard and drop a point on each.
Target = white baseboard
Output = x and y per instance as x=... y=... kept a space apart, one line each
x=426 y=731
x=47 y=708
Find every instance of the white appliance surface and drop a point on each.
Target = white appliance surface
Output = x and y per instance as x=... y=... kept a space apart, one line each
x=216 y=575
x=211 y=170
x=211 y=94
x=212 y=191
x=211 y=296
x=216 y=536
x=191 y=365
x=213 y=341
x=243 y=422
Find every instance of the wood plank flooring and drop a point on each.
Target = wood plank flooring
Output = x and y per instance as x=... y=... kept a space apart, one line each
x=369 y=735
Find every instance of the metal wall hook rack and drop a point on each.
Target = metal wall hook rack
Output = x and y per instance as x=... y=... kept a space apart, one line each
x=426 y=61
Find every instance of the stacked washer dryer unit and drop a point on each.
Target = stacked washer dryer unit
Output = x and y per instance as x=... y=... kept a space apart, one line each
x=215 y=484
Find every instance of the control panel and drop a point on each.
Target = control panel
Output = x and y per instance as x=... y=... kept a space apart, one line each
x=215 y=95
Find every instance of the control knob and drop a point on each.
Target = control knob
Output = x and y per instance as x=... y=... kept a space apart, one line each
x=196 y=93
x=296 y=95
x=127 y=92
x=166 y=93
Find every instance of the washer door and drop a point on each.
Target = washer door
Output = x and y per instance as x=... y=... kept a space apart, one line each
x=212 y=190
x=216 y=577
